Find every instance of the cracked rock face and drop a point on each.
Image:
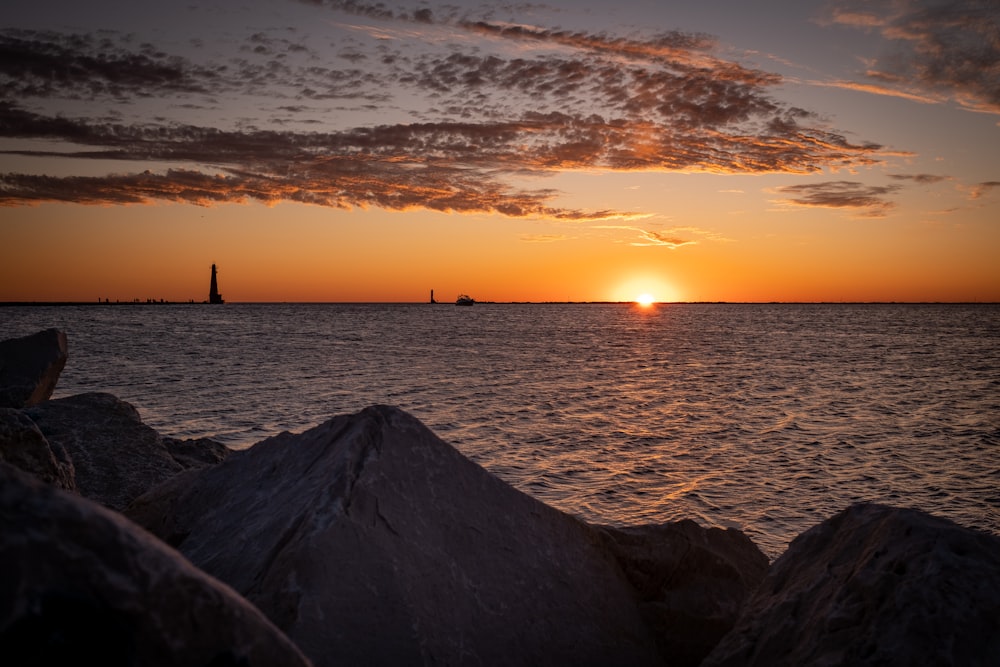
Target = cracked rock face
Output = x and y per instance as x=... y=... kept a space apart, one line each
x=368 y=540
x=83 y=585
x=874 y=585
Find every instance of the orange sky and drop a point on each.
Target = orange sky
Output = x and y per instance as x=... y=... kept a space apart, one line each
x=332 y=152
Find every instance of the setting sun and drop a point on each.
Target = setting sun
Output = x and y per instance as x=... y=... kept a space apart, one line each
x=645 y=300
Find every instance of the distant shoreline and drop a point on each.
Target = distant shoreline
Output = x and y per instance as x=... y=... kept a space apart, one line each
x=14 y=304
x=5 y=304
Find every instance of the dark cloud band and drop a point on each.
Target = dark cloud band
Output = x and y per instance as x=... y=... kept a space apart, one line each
x=870 y=201
x=593 y=102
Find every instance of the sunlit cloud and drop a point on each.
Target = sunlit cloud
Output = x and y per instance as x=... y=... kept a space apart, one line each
x=467 y=117
x=869 y=201
x=648 y=237
x=652 y=238
x=876 y=89
x=950 y=48
x=983 y=189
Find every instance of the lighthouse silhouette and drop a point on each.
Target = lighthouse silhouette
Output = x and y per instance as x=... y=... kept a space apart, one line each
x=213 y=291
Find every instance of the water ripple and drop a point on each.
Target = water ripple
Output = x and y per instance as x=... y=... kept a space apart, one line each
x=762 y=417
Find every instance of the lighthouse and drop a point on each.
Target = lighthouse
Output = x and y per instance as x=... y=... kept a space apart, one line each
x=213 y=291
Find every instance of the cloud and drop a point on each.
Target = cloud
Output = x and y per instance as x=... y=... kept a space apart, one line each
x=456 y=120
x=110 y=67
x=49 y=64
x=950 y=48
x=667 y=239
x=870 y=200
x=544 y=238
x=875 y=89
x=652 y=238
x=980 y=190
x=922 y=179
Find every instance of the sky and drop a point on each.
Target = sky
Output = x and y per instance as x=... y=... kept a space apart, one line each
x=356 y=151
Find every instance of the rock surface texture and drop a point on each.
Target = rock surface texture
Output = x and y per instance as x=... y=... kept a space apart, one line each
x=83 y=585
x=874 y=585
x=22 y=445
x=115 y=456
x=30 y=367
x=690 y=581
x=196 y=452
x=368 y=540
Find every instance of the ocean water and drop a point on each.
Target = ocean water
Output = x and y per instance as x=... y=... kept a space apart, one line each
x=767 y=418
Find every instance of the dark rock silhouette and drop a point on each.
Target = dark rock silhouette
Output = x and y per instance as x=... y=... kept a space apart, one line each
x=690 y=582
x=369 y=540
x=874 y=585
x=23 y=446
x=115 y=456
x=83 y=585
x=30 y=367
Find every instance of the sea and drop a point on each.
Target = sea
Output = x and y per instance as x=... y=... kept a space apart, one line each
x=768 y=418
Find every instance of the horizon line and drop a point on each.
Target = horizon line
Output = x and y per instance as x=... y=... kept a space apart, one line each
x=513 y=302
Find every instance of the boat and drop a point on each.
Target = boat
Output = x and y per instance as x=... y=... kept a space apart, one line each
x=464 y=300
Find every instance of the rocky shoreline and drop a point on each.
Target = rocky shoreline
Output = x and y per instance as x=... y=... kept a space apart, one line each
x=369 y=540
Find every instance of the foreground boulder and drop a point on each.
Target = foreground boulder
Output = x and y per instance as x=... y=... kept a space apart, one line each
x=22 y=445
x=115 y=456
x=30 y=367
x=82 y=585
x=874 y=585
x=368 y=540
x=690 y=582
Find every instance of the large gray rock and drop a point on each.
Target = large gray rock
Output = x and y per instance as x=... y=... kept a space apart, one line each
x=691 y=582
x=368 y=540
x=115 y=456
x=874 y=585
x=82 y=585
x=22 y=445
x=30 y=367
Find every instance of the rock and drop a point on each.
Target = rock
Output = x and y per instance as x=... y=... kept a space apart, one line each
x=116 y=457
x=23 y=446
x=196 y=452
x=30 y=367
x=691 y=582
x=368 y=540
x=874 y=585
x=83 y=585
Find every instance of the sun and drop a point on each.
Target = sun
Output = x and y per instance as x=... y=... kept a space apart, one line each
x=645 y=300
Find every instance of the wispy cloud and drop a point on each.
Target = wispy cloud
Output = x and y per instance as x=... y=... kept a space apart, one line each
x=652 y=238
x=544 y=238
x=868 y=201
x=887 y=91
x=948 y=49
x=470 y=115
x=648 y=237
x=980 y=190
x=921 y=179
